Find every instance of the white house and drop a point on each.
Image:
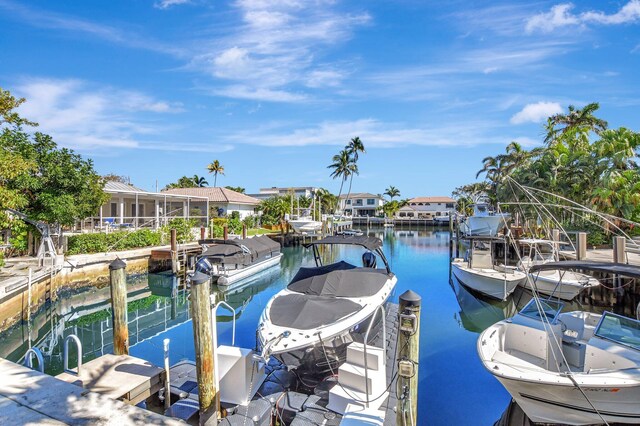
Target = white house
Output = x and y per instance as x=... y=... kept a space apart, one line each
x=297 y=191
x=361 y=204
x=222 y=200
x=426 y=207
x=132 y=207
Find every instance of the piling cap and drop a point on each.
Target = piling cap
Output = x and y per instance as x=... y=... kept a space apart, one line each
x=410 y=298
x=117 y=264
x=198 y=278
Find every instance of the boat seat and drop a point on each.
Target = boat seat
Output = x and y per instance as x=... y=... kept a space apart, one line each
x=517 y=359
x=574 y=352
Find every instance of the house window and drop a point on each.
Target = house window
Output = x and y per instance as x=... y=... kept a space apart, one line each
x=114 y=209
x=359 y=202
x=371 y=201
x=449 y=205
x=349 y=202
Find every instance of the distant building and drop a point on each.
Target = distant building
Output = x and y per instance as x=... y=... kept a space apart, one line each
x=361 y=204
x=132 y=207
x=426 y=207
x=223 y=200
x=298 y=191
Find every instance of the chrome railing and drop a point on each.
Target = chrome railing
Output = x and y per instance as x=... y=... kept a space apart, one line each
x=65 y=354
x=28 y=358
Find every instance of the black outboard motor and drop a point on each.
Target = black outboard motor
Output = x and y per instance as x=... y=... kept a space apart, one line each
x=369 y=260
x=203 y=265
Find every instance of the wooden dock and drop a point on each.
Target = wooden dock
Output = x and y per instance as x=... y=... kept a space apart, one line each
x=31 y=397
x=121 y=377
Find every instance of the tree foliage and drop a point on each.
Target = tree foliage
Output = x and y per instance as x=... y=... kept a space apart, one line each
x=236 y=189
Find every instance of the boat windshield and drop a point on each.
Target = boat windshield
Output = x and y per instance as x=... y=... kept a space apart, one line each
x=551 y=310
x=544 y=252
x=619 y=329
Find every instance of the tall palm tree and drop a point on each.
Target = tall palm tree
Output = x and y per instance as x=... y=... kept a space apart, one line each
x=354 y=147
x=391 y=192
x=199 y=181
x=215 y=168
x=577 y=123
x=340 y=166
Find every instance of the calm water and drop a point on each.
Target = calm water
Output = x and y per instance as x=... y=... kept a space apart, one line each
x=454 y=388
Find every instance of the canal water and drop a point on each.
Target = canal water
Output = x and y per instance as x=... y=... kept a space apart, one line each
x=454 y=388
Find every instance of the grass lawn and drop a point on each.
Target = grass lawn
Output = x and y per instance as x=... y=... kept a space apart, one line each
x=259 y=231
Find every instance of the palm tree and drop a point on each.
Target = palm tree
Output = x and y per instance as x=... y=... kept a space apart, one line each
x=391 y=192
x=577 y=123
x=340 y=166
x=215 y=168
x=354 y=147
x=199 y=181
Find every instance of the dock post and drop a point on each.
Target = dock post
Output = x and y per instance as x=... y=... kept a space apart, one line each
x=118 y=283
x=225 y=232
x=581 y=246
x=167 y=379
x=619 y=247
x=205 y=358
x=555 y=237
x=203 y=231
x=174 y=251
x=244 y=231
x=408 y=345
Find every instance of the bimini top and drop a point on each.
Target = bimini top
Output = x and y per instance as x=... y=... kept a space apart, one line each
x=339 y=279
x=605 y=267
x=240 y=251
x=370 y=243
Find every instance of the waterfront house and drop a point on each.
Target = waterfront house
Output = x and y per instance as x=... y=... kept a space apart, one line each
x=222 y=201
x=297 y=191
x=361 y=204
x=426 y=208
x=132 y=207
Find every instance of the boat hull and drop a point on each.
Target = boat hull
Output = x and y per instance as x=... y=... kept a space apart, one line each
x=563 y=287
x=302 y=225
x=493 y=284
x=226 y=278
x=553 y=403
x=485 y=225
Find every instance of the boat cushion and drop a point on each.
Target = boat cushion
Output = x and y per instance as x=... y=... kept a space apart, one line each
x=306 y=312
x=339 y=280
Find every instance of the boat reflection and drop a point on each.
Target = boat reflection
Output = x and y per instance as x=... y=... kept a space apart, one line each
x=477 y=312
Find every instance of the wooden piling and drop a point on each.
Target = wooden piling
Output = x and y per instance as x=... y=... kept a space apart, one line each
x=408 y=347
x=555 y=237
x=205 y=358
x=619 y=247
x=203 y=232
x=225 y=232
x=244 y=231
x=118 y=283
x=581 y=246
x=174 y=252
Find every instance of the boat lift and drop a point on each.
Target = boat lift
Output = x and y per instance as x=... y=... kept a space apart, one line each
x=46 y=249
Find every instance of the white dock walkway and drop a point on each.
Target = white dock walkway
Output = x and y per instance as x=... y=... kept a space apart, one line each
x=30 y=397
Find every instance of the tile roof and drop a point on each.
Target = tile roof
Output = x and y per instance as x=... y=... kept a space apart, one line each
x=216 y=195
x=432 y=200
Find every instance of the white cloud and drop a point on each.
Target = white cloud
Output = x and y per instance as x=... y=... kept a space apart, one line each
x=165 y=4
x=258 y=94
x=536 y=113
x=81 y=116
x=561 y=15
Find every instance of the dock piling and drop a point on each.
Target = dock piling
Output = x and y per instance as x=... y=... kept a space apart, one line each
x=209 y=397
x=118 y=283
x=225 y=232
x=174 y=252
x=555 y=237
x=619 y=247
x=581 y=246
x=408 y=356
x=203 y=232
x=244 y=231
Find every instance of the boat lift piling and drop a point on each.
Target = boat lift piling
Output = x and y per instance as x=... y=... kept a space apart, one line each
x=174 y=252
x=408 y=358
x=118 y=284
x=208 y=395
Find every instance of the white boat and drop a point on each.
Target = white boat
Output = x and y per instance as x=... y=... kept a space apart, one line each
x=229 y=261
x=305 y=225
x=484 y=221
x=565 y=285
x=577 y=368
x=480 y=273
x=443 y=218
x=309 y=324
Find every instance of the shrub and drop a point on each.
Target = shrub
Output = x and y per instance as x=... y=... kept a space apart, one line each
x=121 y=240
x=235 y=226
x=1 y=259
x=183 y=227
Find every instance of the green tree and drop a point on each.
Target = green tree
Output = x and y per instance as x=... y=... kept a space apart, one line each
x=341 y=168
x=216 y=168
x=392 y=192
x=354 y=147
x=112 y=177
x=183 y=182
x=8 y=114
x=199 y=181
x=236 y=189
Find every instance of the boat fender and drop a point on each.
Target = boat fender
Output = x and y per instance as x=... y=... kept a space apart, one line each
x=223 y=281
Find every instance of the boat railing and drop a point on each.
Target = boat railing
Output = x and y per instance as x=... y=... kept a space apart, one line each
x=65 y=354
x=366 y=339
x=28 y=358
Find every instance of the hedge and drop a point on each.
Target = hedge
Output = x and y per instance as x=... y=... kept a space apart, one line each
x=115 y=241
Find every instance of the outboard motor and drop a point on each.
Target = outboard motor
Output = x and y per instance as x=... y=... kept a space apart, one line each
x=203 y=265
x=369 y=260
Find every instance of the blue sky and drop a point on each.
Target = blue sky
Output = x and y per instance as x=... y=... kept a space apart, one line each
x=157 y=89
